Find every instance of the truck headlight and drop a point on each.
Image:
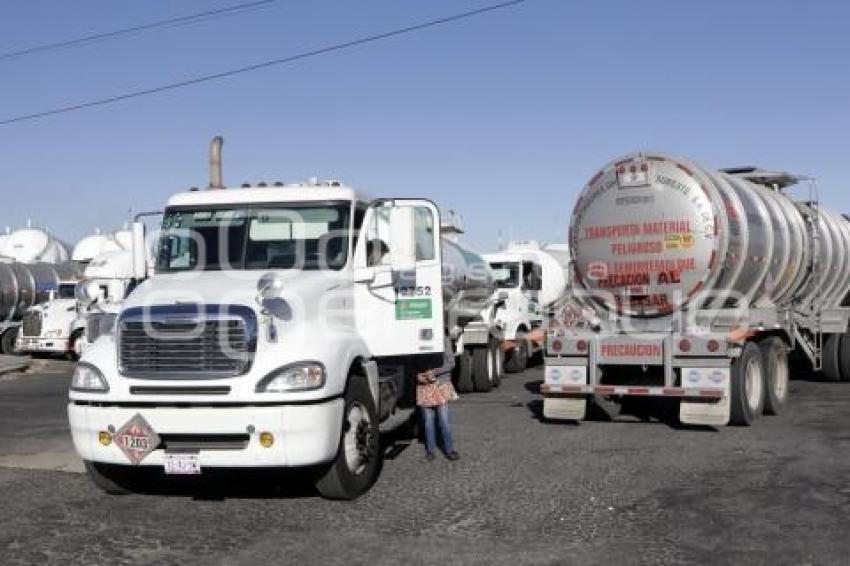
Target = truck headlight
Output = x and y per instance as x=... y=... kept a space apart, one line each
x=295 y=377
x=88 y=379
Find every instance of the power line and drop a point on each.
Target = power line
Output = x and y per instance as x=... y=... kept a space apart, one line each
x=257 y=66
x=181 y=20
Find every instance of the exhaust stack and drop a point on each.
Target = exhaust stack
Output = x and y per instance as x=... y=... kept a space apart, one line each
x=215 y=163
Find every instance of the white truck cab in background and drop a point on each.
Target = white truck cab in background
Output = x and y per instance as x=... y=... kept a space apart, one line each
x=282 y=326
x=528 y=278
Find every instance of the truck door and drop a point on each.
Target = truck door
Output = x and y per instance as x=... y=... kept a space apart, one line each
x=398 y=278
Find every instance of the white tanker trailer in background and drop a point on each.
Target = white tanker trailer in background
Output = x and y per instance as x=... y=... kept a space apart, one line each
x=696 y=285
x=58 y=326
x=283 y=326
x=530 y=278
x=33 y=269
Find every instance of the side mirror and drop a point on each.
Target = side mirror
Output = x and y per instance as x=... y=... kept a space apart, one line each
x=138 y=251
x=402 y=239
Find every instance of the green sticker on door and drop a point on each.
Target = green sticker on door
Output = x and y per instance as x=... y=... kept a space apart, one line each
x=412 y=309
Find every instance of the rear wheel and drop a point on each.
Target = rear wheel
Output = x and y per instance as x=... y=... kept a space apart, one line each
x=517 y=358
x=747 y=386
x=844 y=357
x=463 y=372
x=486 y=366
x=830 y=366
x=775 y=361
x=358 y=459
x=7 y=341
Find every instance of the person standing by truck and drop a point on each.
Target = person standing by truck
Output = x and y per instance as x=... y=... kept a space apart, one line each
x=434 y=390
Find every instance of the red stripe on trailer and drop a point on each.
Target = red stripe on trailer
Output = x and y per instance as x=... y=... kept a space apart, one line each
x=638 y=390
x=716 y=226
x=572 y=388
x=623 y=162
x=673 y=391
x=604 y=389
x=655 y=158
x=595 y=178
x=711 y=393
x=713 y=259
x=705 y=190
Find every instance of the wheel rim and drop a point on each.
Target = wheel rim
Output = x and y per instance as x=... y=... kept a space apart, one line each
x=357 y=440
x=780 y=379
x=754 y=384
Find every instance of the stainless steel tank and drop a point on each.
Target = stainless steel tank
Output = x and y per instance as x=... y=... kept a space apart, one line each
x=653 y=233
x=468 y=282
x=24 y=285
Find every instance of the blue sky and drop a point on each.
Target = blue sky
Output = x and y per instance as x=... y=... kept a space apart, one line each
x=503 y=117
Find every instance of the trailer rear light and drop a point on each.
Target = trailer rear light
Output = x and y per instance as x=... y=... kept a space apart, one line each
x=684 y=345
x=557 y=345
x=266 y=439
x=581 y=345
x=713 y=345
x=104 y=437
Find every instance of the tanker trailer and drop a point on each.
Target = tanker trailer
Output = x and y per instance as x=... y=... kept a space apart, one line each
x=471 y=307
x=696 y=284
x=32 y=245
x=23 y=285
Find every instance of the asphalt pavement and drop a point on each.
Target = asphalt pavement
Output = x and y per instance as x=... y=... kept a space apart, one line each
x=638 y=490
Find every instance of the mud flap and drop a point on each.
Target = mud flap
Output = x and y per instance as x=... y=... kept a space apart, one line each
x=568 y=408
x=706 y=412
x=565 y=408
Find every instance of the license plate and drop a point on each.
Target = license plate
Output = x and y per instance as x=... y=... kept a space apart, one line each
x=182 y=464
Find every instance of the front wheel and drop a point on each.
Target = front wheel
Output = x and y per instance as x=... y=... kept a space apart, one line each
x=7 y=341
x=358 y=459
x=111 y=479
x=517 y=359
x=747 y=386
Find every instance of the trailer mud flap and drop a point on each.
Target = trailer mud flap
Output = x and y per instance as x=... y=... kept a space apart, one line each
x=564 y=406
x=705 y=411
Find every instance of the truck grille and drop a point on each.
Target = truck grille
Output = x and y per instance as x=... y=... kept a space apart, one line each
x=31 y=324
x=171 y=343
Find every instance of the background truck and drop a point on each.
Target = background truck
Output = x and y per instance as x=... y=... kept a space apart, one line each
x=283 y=326
x=58 y=326
x=33 y=269
x=528 y=278
x=696 y=285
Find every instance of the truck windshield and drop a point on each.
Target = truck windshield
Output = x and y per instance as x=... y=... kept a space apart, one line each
x=66 y=290
x=506 y=274
x=309 y=237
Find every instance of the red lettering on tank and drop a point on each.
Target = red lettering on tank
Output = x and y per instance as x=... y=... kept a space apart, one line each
x=636 y=248
x=631 y=350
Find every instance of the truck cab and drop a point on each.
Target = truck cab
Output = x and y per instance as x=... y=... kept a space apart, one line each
x=282 y=327
x=53 y=327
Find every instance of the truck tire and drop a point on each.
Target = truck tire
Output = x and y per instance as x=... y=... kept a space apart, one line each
x=499 y=360
x=485 y=366
x=463 y=372
x=830 y=366
x=517 y=359
x=844 y=357
x=111 y=479
x=358 y=459
x=7 y=341
x=774 y=355
x=74 y=343
x=747 y=386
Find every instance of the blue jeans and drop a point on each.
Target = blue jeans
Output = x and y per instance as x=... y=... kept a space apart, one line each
x=441 y=413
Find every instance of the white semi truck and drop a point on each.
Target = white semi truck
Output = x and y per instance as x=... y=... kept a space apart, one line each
x=282 y=327
x=529 y=279
x=59 y=326
x=695 y=285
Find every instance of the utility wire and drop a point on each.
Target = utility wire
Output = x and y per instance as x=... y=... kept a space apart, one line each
x=182 y=20
x=257 y=66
